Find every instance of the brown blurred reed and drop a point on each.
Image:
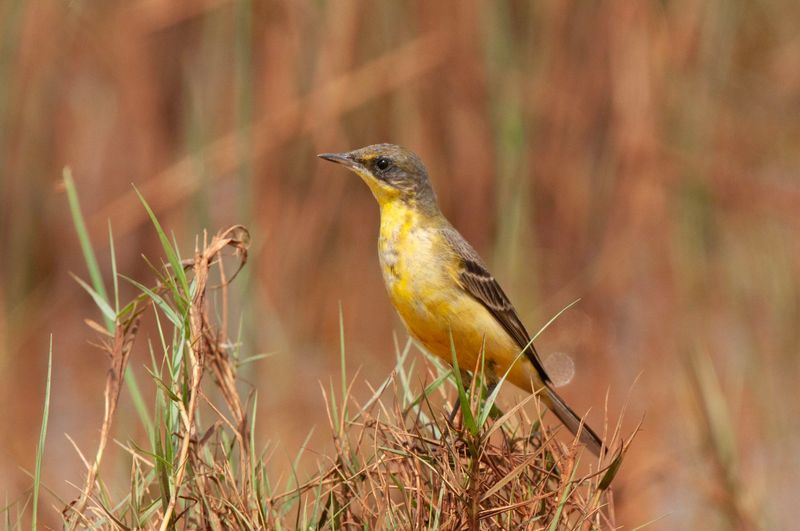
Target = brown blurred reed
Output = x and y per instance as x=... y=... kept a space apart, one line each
x=640 y=155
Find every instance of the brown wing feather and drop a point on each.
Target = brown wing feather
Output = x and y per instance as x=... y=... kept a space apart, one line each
x=479 y=283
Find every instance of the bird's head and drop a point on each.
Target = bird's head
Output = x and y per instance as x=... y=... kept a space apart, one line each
x=393 y=173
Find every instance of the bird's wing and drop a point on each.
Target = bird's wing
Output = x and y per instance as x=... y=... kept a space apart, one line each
x=478 y=282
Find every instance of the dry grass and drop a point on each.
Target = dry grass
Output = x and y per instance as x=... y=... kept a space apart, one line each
x=397 y=462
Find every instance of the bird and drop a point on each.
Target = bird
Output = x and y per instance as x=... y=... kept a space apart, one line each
x=441 y=288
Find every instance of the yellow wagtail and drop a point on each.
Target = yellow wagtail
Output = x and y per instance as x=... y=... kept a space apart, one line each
x=441 y=287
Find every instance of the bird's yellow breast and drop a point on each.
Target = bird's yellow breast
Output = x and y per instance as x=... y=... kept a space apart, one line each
x=421 y=274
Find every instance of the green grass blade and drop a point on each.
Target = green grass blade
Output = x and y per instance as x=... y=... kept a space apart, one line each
x=137 y=399
x=253 y=458
x=172 y=256
x=108 y=312
x=99 y=290
x=114 y=278
x=430 y=388
x=612 y=471
x=86 y=244
x=255 y=357
x=342 y=358
x=552 y=319
x=466 y=408
x=159 y=301
x=37 y=479
x=563 y=501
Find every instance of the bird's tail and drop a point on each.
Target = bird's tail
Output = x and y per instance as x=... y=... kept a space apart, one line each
x=571 y=420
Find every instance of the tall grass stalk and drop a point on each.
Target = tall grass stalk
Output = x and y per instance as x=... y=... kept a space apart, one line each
x=37 y=479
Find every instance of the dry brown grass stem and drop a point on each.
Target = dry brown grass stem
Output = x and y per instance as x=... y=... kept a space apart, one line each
x=206 y=347
x=119 y=350
x=514 y=476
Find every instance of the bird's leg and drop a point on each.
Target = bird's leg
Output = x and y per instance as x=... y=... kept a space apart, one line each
x=453 y=412
x=491 y=387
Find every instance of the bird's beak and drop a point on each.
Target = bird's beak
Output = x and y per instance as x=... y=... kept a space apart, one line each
x=345 y=159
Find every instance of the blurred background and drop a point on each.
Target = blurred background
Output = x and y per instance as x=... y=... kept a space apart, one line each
x=641 y=156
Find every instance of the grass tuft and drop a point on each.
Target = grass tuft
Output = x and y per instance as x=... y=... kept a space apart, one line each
x=397 y=461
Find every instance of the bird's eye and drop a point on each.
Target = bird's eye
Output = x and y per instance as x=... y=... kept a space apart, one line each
x=382 y=163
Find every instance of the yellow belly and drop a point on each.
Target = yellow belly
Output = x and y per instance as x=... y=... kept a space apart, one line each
x=421 y=278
